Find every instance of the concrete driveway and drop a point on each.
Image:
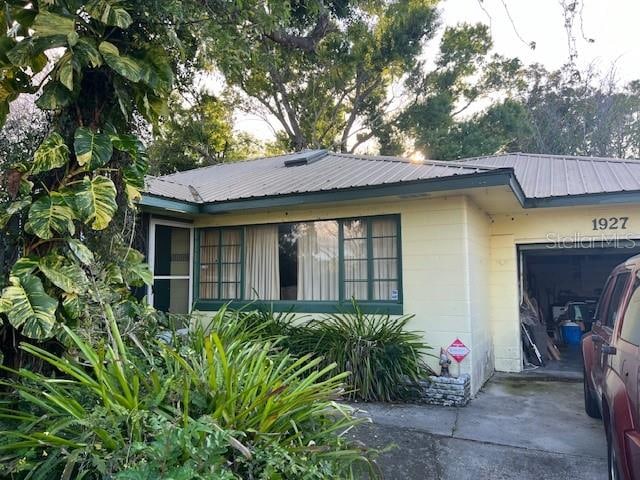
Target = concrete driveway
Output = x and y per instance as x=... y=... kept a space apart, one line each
x=513 y=429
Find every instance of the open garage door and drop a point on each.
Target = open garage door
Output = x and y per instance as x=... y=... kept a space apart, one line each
x=560 y=287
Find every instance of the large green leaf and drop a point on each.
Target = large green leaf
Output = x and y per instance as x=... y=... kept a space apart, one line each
x=121 y=64
x=96 y=201
x=87 y=53
x=134 y=173
x=13 y=208
x=81 y=251
x=137 y=272
x=94 y=149
x=27 y=306
x=52 y=153
x=54 y=96
x=65 y=275
x=109 y=13
x=24 y=266
x=48 y=24
x=49 y=214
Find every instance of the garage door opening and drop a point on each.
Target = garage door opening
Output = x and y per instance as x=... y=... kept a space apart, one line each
x=559 y=290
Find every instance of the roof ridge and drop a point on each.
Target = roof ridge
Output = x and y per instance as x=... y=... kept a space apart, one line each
x=390 y=158
x=235 y=162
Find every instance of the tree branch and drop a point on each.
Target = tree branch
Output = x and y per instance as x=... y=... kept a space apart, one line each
x=306 y=43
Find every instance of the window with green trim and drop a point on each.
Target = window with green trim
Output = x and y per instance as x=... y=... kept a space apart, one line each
x=317 y=261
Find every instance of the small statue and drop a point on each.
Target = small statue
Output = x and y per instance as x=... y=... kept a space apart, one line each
x=445 y=361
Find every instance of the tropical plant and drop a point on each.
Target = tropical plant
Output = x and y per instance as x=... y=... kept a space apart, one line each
x=384 y=358
x=209 y=408
x=66 y=196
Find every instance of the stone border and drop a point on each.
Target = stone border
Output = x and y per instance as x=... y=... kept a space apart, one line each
x=446 y=391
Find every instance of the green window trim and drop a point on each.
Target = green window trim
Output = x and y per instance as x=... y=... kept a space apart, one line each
x=392 y=307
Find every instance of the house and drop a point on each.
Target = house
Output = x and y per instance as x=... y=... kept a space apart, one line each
x=457 y=244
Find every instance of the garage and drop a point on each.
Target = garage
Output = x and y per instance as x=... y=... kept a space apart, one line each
x=560 y=286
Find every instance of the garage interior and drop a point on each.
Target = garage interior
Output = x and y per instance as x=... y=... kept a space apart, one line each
x=560 y=287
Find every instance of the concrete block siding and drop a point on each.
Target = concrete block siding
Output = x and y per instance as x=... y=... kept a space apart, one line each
x=460 y=265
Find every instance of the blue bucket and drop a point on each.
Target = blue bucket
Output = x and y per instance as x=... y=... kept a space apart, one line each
x=571 y=333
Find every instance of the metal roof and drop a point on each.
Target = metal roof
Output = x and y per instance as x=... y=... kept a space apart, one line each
x=546 y=176
x=325 y=171
x=540 y=176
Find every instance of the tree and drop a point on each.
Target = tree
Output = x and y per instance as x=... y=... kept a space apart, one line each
x=464 y=76
x=324 y=67
x=582 y=113
x=199 y=132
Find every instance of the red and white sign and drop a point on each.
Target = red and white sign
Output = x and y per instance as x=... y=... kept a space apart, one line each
x=458 y=350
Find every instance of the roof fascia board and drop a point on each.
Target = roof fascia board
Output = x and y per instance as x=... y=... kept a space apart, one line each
x=170 y=204
x=492 y=178
x=588 y=199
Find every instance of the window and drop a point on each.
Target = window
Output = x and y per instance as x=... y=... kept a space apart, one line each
x=631 y=321
x=170 y=248
x=319 y=261
x=615 y=300
x=220 y=263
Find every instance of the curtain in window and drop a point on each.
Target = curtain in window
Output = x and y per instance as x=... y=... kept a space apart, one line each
x=318 y=276
x=385 y=259
x=262 y=272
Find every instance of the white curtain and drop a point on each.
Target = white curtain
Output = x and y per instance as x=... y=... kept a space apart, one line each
x=318 y=276
x=385 y=260
x=262 y=272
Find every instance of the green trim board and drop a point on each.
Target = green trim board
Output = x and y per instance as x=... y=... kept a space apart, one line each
x=169 y=204
x=301 y=306
x=341 y=302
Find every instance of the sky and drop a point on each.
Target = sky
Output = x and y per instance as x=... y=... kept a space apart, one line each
x=612 y=24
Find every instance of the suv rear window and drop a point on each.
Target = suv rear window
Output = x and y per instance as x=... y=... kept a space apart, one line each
x=614 y=301
x=631 y=322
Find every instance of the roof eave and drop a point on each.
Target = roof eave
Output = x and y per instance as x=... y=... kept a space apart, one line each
x=496 y=177
x=603 y=198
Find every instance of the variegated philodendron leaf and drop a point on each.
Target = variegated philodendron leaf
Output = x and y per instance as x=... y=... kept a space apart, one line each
x=121 y=64
x=92 y=149
x=28 y=307
x=81 y=251
x=24 y=266
x=50 y=214
x=136 y=271
x=52 y=153
x=109 y=13
x=134 y=173
x=95 y=201
x=13 y=208
x=65 y=275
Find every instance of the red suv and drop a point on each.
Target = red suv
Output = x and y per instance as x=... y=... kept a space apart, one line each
x=611 y=356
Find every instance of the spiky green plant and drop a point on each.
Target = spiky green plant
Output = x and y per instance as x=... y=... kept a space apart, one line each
x=230 y=400
x=384 y=357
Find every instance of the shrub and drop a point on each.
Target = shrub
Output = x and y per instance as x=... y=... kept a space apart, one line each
x=384 y=358
x=212 y=407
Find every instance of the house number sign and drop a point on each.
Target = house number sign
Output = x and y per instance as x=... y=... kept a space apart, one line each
x=610 y=223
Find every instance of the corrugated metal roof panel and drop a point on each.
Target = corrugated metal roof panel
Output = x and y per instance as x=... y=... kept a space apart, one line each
x=541 y=176
x=544 y=176
x=269 y=176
